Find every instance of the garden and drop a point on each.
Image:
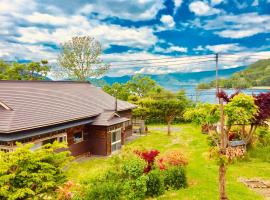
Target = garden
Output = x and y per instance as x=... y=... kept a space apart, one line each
x=203 y=152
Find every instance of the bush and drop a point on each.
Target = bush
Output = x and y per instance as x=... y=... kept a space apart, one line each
x=155 y=183
x=107 y=190
x=260 y=152
x=263 y=136
x=175 y=178
x=27 y=174
x=173 y=158
x=133 y=168
x=135 y=189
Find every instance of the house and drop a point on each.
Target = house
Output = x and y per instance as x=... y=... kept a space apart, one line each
x=40 y=112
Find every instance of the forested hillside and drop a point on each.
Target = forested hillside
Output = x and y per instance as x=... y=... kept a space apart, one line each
x=256 y=74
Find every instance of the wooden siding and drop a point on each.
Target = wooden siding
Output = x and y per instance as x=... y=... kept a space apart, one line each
x=98 y=140
x=128 y=129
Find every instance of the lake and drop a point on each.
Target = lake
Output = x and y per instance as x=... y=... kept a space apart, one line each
x=210 y=94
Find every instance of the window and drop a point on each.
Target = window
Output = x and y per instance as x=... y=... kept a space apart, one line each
x=49 y=141
x=78 y=137
x=116 y=139
x=62 y=139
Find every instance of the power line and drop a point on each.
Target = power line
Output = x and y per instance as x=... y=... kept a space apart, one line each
x=168 y=58
x=170 y=61
x=152 y=65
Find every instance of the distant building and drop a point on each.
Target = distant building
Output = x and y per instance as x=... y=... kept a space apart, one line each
x=40 y=112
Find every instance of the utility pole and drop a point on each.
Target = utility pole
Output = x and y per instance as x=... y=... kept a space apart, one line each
x=222 y=142
x=217 y=85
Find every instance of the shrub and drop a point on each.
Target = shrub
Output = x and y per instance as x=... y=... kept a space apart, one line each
x=27 y=174
x=109 y=190
x=263 y=136
x=155 y=183
x=135 y=189
x=133 y=168
x=175 y=177
x=260 y=152
x=173 y=158
x=149 y=157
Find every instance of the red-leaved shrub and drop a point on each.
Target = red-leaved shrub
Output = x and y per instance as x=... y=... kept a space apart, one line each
x=149 y=157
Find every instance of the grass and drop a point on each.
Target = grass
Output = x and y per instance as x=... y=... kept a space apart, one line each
x=202 y=173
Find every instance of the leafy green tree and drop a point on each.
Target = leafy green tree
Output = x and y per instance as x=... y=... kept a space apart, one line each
x=142 y=86
x=80 y=59
x=166 y=106
x=204 y=114
x=27 y=174
x=117 y=90
x=22 y=71
x=241 y=110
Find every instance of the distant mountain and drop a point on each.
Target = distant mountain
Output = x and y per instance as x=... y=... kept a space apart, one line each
x=175 y=81
x=256 y=74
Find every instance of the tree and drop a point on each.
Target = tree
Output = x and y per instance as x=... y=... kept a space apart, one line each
x=204 y=114
x=27 y=174
x=166 y=106
x=240 y=110
x=22 y=71
x=80 y=59
x=117 y=90
x=142 y=86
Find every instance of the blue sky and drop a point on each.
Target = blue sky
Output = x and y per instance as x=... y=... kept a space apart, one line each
x=139 y=29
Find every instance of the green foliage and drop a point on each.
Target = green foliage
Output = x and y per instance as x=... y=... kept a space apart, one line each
x=138 y=86
x=203 y=86
x=256 y=74
x=117 y=90
x=263 y=136
x=135 y=189
x=175 y=178
x=19 y=71
x=165 y=106
x=142 y=86
x=203 y=114
x=80 y=59
x=31 y=174
x=241 y=110
x=133 y=168
x=108 y=190
x=261 y=153
x=155 y=183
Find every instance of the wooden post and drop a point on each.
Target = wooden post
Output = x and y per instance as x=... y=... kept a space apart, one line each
x=222 y=166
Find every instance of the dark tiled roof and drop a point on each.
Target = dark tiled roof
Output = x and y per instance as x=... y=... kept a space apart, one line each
x=37 y=104
x=109 y=118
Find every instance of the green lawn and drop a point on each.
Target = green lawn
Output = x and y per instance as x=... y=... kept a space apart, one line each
x=202 y=173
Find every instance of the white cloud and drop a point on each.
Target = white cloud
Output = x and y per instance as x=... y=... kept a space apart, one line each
x=167 y=20
x=177 y=4
x=239 y=33
x=224 y=48
x=236 y=26
x=105 y=33
x=14 y=51
x=255 y=3
x=202 y=9
x=198 y=48
x=134 y=10
x=216 y=2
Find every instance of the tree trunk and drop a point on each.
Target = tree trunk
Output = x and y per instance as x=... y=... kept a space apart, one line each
x=222 y=182
x=222 y=167
x=169 y=127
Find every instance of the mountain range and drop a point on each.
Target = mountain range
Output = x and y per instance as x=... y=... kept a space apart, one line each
x=175 y=81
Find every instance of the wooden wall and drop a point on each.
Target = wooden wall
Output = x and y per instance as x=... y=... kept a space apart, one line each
x=97 y=140
x=127 y=114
